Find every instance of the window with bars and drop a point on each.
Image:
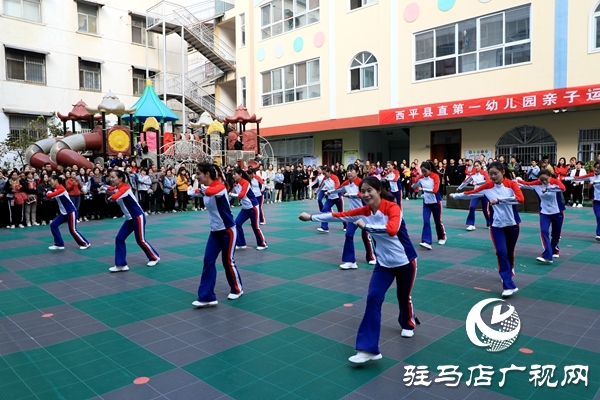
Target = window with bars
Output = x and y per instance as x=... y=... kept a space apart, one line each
x=354 y=4
x=89 y=76
x=302 y=146
x=138 y=31
x=25 y=66
x=332 y=151
x=588 y=144
x=595 y=29
x=291 y=83
x=280 y=16
x=30 y=10
x=139 y=80
x=491 y=41
x=87 y=18
x=527 y=143
x=22 y=124
x=363 y=72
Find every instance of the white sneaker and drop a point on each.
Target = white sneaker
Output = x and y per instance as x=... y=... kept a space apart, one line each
x=201 y=304
x=36 y=224
x=114 y=217
x=579 y=205
x=84 y=247
x=240 y=247
x=29 y=225
x=372 y=262
x=53 y=247
x=118 y=269
x=543 y=260
x=43 y=223
x=425 y=245
x=349 y=265
x=21 y=226
x=509 y=292
x=262 y=223
x=344 y=229
x=407 y=333
x=363 y=356
x=194 y=209
x=152 y=263
x=442 y=242
x=78 y=221
x=12 y=227
x=261 y=247
x=146 y=214
x=322 y=230
x=85 y=219
x=174 y=211
x=597 y=238
x=555 y=255
x=233 y=296
x=471 y=228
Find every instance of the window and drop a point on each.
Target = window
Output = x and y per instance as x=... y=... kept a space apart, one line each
x=138 y=31
x=22 y=124
x=243 y=90
x=527 y=143
x=89 y=75
x=242 y=30
x=281 y=16
x=25 y=66
x=332 y=151
x=473 y=45
x=291 y=83
x=589 y=144
x=595 y=29
x=87 y=18
x=354 y=4
x=139 y=80
x=26 y=9
x=363 y=71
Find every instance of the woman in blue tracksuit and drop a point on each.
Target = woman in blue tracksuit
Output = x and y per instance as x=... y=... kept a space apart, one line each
x=552 y=212
x=318 y=183
x=135 y=221
x=396 y=260
x=477 y=177
x=503 y=195
x=351 y=189
x=392 y=175
x=250 y=210
x=328 y=186
x=257 y=184
x=221 y=239
x=68 y=214
x=429 y=181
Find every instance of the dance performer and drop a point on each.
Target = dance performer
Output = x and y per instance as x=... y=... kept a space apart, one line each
x=318 y=184
x=135 y=221
x=392 y=176
x=250 y=210
x=429 y=182
x=477 y=177
x=327 y=186
x=258 y=187
x=351 y=189
x=68 y=214
x=549 y=191
x=396 y=259
x=503 y=194
x=594 y=179
x=221 y=239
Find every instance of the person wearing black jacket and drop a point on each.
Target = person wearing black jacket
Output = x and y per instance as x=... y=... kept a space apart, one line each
x=3 y=202
x=287 y=183
x=299 y=182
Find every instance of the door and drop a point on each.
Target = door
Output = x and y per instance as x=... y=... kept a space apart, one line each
x=446 y=144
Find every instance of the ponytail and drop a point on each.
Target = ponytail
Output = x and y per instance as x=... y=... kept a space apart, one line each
x=379 y=186
x=243 y=173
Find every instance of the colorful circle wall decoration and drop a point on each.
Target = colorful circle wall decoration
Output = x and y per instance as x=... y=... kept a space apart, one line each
x=445 y=5
x=278 y=51
x=411 y=12
x=298 y=44
x=319 y=39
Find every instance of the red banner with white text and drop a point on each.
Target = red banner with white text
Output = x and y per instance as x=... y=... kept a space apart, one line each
x=542 y=100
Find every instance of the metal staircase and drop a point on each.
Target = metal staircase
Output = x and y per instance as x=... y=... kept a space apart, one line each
x=196 y=31
x=196 y=98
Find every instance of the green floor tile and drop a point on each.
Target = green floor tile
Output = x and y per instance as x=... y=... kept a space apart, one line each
x=123 y=308
x=2 y=269
x=63 y=272
x=116 y=379
x=230 y=380
x=25 y=299
x=290 y=268
x=187 y=250
x=75 y=391
x=426 y=267
x=173 y=270
x=578 y=294
x=16 y=390
x=290 y=377
x=259 y=390
x=523 y=264
x=24 y=251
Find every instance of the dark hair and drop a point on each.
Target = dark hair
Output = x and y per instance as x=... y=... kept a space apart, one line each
x=60 y=179
x=377 y=185
x=429 y=166
x=545 y=172
x=250 y=171
x=326 y=168
x=122 y=175
x=477 y=162
x=352 y=167
x=565 y=161
x=207 y=168
x=596 y=164
x=500 y=167
x=244 y=174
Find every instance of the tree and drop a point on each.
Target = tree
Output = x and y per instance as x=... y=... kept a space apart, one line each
x=12 y=149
